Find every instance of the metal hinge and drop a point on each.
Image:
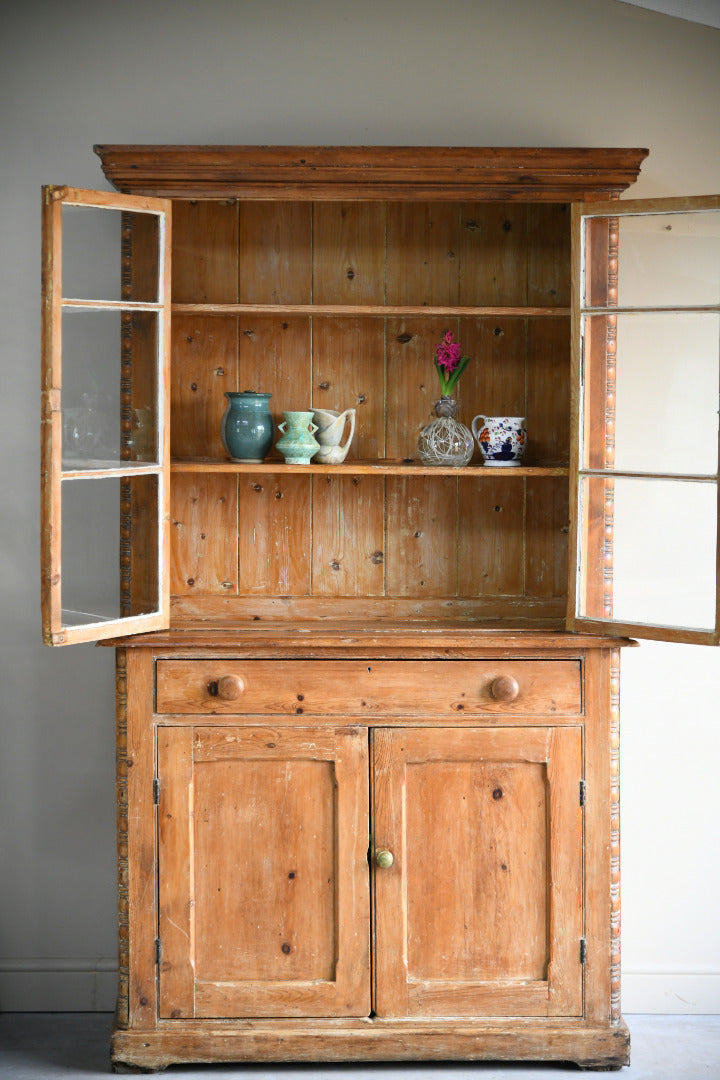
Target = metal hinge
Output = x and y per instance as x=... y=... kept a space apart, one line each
x=156 y=790
x=583 y=950
x=158 y=951
x=582 y=792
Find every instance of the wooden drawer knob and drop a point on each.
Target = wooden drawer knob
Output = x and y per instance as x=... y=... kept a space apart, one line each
x=504 y=688
x=227 y=688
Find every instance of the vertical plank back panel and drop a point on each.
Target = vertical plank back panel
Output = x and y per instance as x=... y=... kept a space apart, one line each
x=412 y=382
x=204 y=252
x=548 y=254
x=422 y=547
x=352 y=536
x=348 y=543
x=275 y=261
x=490 y=537
x=349 y=372
x=204 y=367
x=493 y=383
x=204 y=535
x=547 y=528
x=275 y=543
x=493 y=254
x=349 y=253
x=422 y=253
x=548 y=391
x=275 y=358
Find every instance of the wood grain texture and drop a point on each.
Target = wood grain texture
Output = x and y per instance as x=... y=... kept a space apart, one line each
x=275 y=357
x=422 y=253
x=267 y=913
x=471 y=893
x=137 y=901
x=422 y=546
x=362 y=172
x=275 y=253
x=493 y=254
x=349 y=253
x=349 y=373
x=204 y=368
x=205 y=535
x=274 y=549
x=383 y=687
x=204 y=257
x=348 y=536
x=412 y=383
x=491 y=537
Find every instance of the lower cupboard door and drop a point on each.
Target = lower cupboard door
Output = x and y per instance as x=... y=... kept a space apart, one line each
x=479 y=911
x=263 y=875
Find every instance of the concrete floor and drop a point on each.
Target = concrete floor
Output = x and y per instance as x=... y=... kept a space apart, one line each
x=47 y=1046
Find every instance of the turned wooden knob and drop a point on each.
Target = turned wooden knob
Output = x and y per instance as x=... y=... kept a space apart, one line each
x=227 y=688
x=504 y=688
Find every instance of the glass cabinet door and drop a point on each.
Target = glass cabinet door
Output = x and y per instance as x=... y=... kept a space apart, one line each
x=105 y=463
x=646 y=358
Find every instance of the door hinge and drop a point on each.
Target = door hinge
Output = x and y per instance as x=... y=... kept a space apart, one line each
x=158 y=951
x=582 y=792
x=583 y=950
x=156 y=790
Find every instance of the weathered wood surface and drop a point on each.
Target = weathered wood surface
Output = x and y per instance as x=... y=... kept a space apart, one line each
x=354 y=688
x=479 y=910
x=264 y=898
x=401 y=537
x=589 y=1045
x=346 y=172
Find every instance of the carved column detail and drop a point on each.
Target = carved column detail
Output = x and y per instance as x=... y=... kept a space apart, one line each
x=615 y=834
x=121 y=729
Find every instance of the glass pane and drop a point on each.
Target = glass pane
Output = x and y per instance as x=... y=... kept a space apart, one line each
x=664 y=260
x=96 y=255
x=109 y=408
x=667 y=387
x=653 y=543
x=97 y=541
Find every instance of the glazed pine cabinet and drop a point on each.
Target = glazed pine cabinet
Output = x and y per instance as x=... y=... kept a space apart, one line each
x=368 y=713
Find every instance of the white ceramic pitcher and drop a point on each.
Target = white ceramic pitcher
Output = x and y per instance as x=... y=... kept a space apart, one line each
x=331 y=427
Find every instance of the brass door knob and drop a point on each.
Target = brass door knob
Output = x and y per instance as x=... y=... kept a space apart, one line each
x=384 y=859
x=504 y=688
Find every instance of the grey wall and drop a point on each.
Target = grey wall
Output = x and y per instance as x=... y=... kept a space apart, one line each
x=485 y=72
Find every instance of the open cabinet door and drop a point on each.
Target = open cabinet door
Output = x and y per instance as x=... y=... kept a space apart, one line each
x=105 y=444
x=646 y=377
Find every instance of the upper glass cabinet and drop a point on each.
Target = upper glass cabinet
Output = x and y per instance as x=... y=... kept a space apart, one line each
x=105 y=464
x=646 y=348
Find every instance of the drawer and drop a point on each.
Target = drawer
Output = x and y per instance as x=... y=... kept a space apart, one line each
x=454 y=688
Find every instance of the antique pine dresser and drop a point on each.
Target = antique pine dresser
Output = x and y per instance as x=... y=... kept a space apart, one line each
x=368 y=713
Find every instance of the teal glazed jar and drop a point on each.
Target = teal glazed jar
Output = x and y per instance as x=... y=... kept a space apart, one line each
x=247 y=426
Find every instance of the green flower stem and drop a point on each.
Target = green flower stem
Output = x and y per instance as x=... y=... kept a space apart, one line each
x=449 y=382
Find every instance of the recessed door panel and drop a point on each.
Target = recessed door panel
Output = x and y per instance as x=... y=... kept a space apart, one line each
x=480 y=912
x=263 y=872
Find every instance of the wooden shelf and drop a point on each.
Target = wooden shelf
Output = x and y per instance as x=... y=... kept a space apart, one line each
x=374 y=310
x=365 y=468
x=76 y=469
